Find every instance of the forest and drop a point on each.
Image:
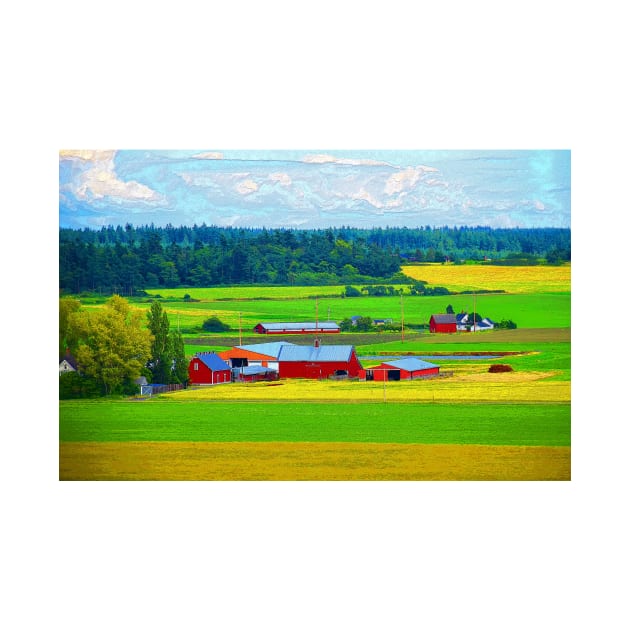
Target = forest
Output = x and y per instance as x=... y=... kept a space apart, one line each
x=126 y=260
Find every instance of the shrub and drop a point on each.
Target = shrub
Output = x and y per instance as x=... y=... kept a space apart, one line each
x=214 y=324
x=500 y=367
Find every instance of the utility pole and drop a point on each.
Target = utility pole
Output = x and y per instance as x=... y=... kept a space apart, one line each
x=316 y=313
x=402 y=317
x=240 y=330
x=474 y=311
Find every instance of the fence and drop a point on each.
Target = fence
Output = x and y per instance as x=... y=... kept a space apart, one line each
x=154 y=389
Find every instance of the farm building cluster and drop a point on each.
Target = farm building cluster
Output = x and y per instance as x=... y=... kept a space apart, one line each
x=283 y=359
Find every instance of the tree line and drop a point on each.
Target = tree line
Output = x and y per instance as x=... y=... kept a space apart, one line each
x=127 y=260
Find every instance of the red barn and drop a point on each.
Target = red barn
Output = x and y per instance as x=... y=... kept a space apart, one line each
x=206 y=368
x=405 y=369
x=443 y=323
x=318 y=361
x=296 y=328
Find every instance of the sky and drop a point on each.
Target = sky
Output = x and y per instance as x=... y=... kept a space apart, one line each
x=314 y=188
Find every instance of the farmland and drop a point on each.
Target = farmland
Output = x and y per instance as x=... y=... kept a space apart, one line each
x=468 y=425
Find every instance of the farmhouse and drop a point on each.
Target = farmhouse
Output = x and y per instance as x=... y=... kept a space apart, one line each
x=405 y=369
x=207 y=368
x=67 y=364
x=443 y=323
x=261 y=354
x=296 y=328
x=465 y=322
x=318 y=361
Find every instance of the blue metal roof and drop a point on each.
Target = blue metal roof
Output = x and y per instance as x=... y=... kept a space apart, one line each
x=410 y=364
x=211 y=360
x=322 y=354
x=271 y=349
x=300 y=326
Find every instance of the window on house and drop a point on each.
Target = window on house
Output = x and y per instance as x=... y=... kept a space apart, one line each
x=196 y=366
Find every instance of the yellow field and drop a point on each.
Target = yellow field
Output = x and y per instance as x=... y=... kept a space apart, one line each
x=463 y=386
x=537 y=279
x=215 y=461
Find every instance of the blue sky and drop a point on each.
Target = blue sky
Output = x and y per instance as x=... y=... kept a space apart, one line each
x=314 y=188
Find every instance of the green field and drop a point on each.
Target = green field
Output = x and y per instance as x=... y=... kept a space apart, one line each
x=490 y=424
x=540 y=310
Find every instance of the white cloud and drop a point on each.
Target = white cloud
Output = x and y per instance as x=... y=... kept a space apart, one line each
x=283 y=178
x=406 y=178
x=209 y=155
x=366 y=196
x=539 y=205
x=331 y=159
x=247 y=187
x=100 y=180
x=87 y=155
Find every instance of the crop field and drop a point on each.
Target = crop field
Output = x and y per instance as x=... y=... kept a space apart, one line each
x=512 y=279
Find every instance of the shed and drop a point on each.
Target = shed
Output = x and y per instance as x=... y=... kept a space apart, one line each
x=206 y=368
x=443 y=323
x=318 y=361
x=252 y=373
x=296 y=328
x=405 y=369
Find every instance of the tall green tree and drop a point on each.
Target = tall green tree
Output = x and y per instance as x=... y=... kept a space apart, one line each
x=67 y=334
x=160 y=360
x=114 y=345
x=179 y=373
x=167 y=362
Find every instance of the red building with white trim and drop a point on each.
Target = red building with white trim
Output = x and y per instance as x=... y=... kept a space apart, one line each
x=296 y=328
x=406 y=369
x=206 y=368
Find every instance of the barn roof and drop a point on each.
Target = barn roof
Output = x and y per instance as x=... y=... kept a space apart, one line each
x=211 y=360
x=410 y=364
x=300 y=325
x=271 y=349
x=250 y=370
x=444 y=318
x=322 y=354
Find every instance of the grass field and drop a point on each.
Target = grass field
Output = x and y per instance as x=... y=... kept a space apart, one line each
x=541 y=310
x=379 y=423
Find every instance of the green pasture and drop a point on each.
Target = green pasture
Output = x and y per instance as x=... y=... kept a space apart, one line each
x=540 y=310
x=408 y=423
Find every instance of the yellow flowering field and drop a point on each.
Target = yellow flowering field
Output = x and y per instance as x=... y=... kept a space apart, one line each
x=327 y=461
x=474 y=386
x=535 y=279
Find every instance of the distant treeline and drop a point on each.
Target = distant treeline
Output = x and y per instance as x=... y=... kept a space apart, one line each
x=127 y=259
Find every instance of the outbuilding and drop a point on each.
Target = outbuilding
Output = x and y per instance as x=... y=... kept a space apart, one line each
x=443 y=323
x=405 y=369
x=296 y=328
x=206 y=368
x=318 y=361
x=253 y=373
